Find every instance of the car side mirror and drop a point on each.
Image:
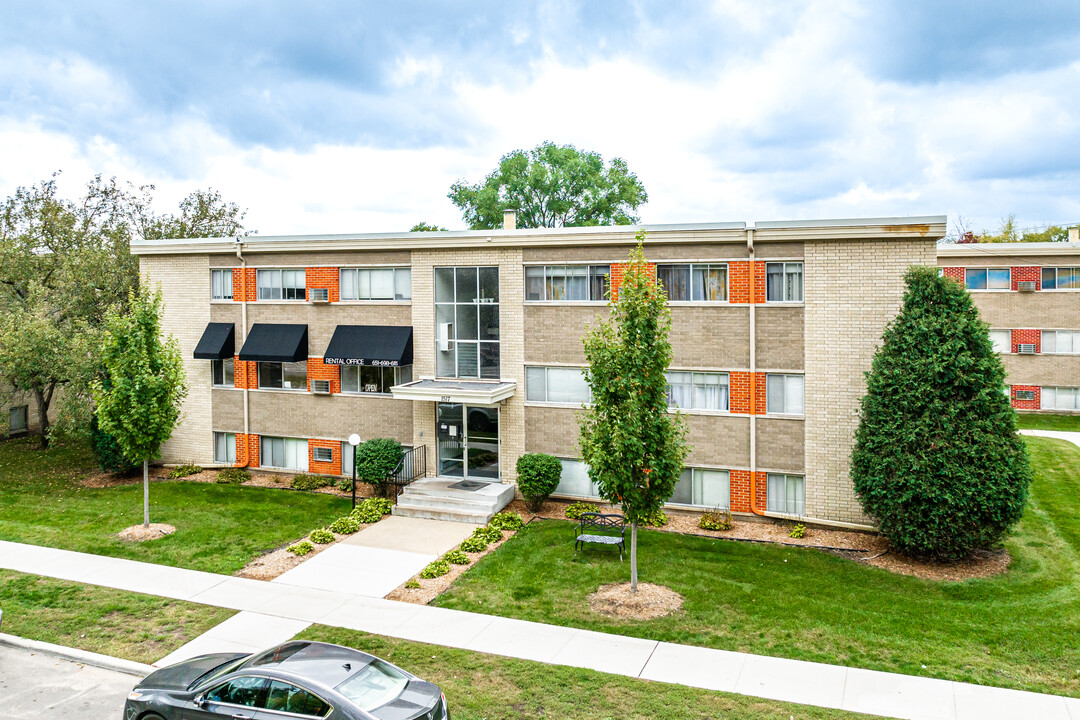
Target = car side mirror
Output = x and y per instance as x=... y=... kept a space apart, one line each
x=200 y=700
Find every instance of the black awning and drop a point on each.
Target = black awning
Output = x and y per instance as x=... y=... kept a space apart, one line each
x=216 y=342
x=275 y=343
x=382 y=345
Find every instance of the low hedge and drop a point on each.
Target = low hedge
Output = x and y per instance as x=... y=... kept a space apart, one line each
x=232 y=476
x=718 y=520
x=321 y=537
x=573 y=512
x=438 y=568
x=301 y=548
x=305 y=481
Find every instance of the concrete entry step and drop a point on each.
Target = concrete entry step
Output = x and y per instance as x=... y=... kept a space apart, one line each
x=434 y=499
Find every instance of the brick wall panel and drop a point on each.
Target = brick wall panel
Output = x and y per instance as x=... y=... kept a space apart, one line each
x=1026 y=336
x=1022 y=273
x=1025 y=404
x=244 y=286
x=324 y=468
x=324 y=277
x=739 y=393
x=955 y=273
x=317 y=370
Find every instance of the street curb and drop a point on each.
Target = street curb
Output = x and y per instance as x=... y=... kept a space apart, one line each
x=85 y=657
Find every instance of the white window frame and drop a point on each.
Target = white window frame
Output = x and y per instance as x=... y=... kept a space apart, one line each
x=1074 y=272
x=465 y=351
x=547 y=275
x=290 y=448
x=700 y=380
x=225 y=448
x=787 y=268
x=348 y=455
x=998 y=347
x=986 y=278
x=539 y=381
x=355 y=284
x=782 y=502
x=281 y=369
x=401 y=375
x=691 y=288
x=221 y=284
x=1053 y=339
x=782 y=405
x=271 y=284
x=697 y=477
x=1050 y=398
x=228 y=373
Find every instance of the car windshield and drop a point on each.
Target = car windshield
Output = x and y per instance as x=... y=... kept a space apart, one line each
x=217 y=672
x=374 y=685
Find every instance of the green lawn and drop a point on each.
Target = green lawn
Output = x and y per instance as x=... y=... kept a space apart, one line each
x=1030 y=421
x=138 y=627
x=488 y=687
x=1018 y=630
x=219 y=527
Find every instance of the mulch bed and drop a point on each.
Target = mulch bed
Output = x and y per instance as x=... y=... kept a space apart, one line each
x=648 y=603
x=141 y=533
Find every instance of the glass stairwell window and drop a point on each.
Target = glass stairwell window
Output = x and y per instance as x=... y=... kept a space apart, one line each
x=467 y=322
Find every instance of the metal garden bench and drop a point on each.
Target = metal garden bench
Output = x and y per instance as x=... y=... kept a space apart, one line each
x=601 y=529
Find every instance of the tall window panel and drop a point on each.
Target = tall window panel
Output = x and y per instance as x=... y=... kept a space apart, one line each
x=987 y=278
x=567 y=283
x=17 y=418
x=1061 y=342
x=556 y=385
x=704 y=488
x=1059 y=398
x=574 y=480
x=221 y=285
x=224 y=448
x=784 y=394
x=1061 y=278
x=786 y=494
x=1001 y=340
x=694 y=281
x=784 y=282
x=276 y=284
x=376 y=284
x=222 y=372
x=467 y=322
x=698 y=391
x=283 y=375
x=376 y=380
x=284 y=453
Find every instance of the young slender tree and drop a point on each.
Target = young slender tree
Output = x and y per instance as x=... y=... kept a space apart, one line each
x=633 y=446
x=141 y=406
x=937 y=460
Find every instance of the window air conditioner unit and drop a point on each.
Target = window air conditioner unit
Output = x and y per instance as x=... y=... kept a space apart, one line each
x=1025 y=394
x=445 y=330
x=319 y=295
x=322 y=454
x=1026 y=348
x=1026 y=286
x=320 y=387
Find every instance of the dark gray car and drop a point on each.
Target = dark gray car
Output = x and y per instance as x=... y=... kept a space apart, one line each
x=298 y=679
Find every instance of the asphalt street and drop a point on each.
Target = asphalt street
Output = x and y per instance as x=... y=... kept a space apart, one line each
x=42 y=687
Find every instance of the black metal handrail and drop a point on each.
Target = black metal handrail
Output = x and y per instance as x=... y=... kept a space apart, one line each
x=412 y=466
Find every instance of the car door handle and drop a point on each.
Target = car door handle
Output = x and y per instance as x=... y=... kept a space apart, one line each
x=242 y=716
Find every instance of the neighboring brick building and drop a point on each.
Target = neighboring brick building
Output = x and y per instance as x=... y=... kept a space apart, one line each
x=470 y=343
x=1029 y=294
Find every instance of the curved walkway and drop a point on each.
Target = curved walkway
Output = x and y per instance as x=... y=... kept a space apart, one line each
x=273 y=609
x=1073 y=437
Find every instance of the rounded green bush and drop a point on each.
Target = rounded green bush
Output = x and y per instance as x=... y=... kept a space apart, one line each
x=656 y=519
x=304 y=481
x=438 y=568
x=797 y=532
x=345 y=525
x=538 y=476
x=372 y=510
x=488 y=533
x=322 y=537
x=507 y=521
x=474 y=544
x=718 y=520
x=183 y=471
x=232 y=476
x=301 y=548
x=573 y=512
x=457 y=557
x=375 y=460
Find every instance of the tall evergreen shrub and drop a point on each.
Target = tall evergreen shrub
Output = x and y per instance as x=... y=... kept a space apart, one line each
x=937 y=461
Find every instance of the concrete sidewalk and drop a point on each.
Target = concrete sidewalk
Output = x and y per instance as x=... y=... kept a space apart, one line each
x=832 y=686
x=1073 y=437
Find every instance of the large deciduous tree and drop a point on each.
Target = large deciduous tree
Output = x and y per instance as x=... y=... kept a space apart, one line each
x=552 y=186
x=633 y=446
x=937 y=461
x=140 y=405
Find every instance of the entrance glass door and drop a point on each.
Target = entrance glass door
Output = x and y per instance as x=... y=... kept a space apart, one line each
x=468 y=441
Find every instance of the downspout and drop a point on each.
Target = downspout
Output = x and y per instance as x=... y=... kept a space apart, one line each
x=243 y=339
x=753 y=373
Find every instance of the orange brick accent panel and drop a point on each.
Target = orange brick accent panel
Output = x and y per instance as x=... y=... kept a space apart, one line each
x=317 y=370
x=955 y=273
x=324 y=277
x=740 y=393
x=759 y=281
x=244 y=288
x=618 y=272
x=324 y=468
x=740 y=490
x=1026 y=336
x=739 y=281
x=759 y=395
x=1026 y=272
x=1026 y=404
x=245 y=374
x=247 y=450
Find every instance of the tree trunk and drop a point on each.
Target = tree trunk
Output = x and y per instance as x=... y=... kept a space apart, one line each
x=633 y=557
x=41 y=400
x=146 y=492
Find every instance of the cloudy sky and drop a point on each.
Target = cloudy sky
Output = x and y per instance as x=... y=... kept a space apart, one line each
x=356 y=116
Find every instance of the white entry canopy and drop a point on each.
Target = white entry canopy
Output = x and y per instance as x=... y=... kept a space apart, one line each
x=472 y=392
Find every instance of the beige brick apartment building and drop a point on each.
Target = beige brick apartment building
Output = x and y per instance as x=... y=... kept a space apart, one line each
x=469 y=343
x=1029 y=294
